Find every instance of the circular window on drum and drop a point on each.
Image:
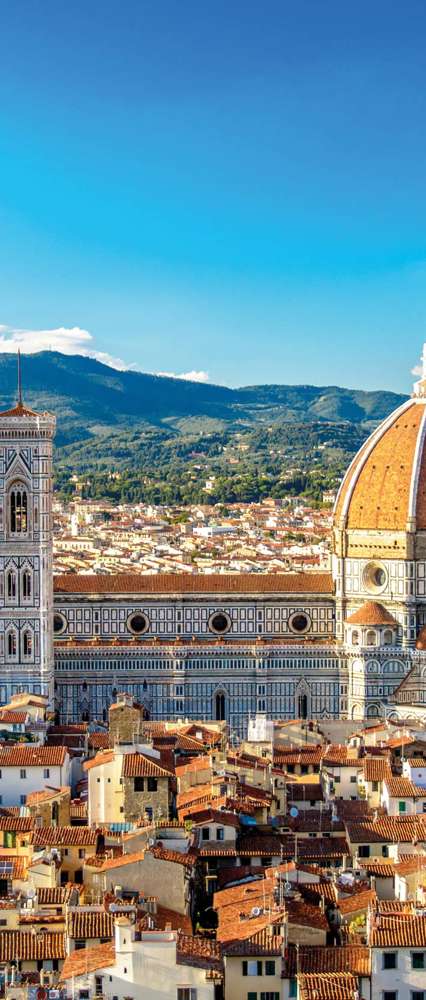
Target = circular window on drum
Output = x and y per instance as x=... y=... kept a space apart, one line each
x=59 y=623
x=138 y=623
x=299 y=622
x=375 y=577
x=219 y=622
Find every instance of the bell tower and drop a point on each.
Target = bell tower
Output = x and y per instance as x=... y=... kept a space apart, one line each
x=26 y=551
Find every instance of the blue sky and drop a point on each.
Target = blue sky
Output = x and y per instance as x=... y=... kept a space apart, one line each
x=230 y=188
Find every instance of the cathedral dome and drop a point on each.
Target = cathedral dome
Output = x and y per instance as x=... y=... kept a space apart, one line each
x=384 y=488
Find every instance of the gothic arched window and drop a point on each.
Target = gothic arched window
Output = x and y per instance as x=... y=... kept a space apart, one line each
x=11 y=584
x=220 y=706
x=11 y=643
x=28 y=644
x=18 y=505
x=302 y=705
x=26 y=585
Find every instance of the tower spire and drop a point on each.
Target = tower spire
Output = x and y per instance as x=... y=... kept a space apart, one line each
x=19 y=379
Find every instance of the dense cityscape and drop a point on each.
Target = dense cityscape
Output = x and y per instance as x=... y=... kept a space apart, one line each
x=212 y=500
x=94 y=536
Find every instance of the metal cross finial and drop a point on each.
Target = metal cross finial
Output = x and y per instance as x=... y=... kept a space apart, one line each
x=19 y=379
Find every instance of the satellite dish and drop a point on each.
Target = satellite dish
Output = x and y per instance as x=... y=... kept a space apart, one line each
x=294 y=812
x=256 y=911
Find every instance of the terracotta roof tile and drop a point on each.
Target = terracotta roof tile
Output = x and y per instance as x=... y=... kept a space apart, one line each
x=387 y=829
x=54 y=895
x=382 y=477
x=181 y=583
x=20 y=410
x=403 y=788
x=32 y=756
x=320 y=959
x=102 y=757
x=140 y=765
x=376 y=768
x=84 y=960
x=371 y=613
x=202 y=953
x=66 y=836
x=99 y=741
x=9 y=717
x=119 y=862
x=164 y=854
x=260 y=944
x=327 y=986
x=381 y=869
x=82 y=923
x=359 y=901
x=25 y=946
x=394 y=932
x=177 y=921
x=17 y=824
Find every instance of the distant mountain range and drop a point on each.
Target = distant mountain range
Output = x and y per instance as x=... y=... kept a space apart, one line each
x=139 y=436
x=89 y=398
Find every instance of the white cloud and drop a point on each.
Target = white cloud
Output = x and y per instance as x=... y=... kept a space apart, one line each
x=73 y=340
x=67 y=340
x=188 y=376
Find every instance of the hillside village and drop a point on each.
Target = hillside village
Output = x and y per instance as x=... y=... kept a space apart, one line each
x=161 y=859
x=273 y=536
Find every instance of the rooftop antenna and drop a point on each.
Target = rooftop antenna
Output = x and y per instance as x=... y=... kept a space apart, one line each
x=19 y=379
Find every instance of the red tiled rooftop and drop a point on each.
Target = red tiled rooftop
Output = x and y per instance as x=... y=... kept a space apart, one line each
x=392 y=932
x=320 y=959
x=371 y=613
x=181 y=583
x=85 y=960
x=32 y=756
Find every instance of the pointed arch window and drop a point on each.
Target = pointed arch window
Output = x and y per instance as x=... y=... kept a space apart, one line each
x=26 y=585
x=302 y=705
x=28 y=644
x=18 y=503
x=11 y=644
x=220 y=706
x=11 y=584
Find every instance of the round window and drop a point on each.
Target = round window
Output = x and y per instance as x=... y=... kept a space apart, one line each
x=299 y=622
x=138 y=623
x=375 y=577
x=219 y=622
x=59 y=623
